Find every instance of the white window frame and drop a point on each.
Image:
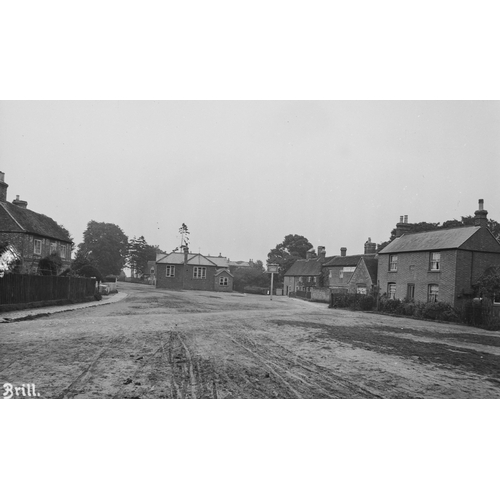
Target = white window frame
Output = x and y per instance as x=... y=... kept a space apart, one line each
x=223 y=281
x=393 y=263
x=199 y=273
x=435 y=261
x=53 y=247
x=432 y=296
x=170 y=272
x=39 y=247
x=390 y=294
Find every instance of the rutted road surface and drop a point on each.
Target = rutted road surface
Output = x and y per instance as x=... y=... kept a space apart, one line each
x=166 y=344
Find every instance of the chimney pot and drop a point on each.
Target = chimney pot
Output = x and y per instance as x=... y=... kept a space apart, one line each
x=343 y=251
x=406 y=219
x=401 y=218
x=3 y=187
x=481 y=218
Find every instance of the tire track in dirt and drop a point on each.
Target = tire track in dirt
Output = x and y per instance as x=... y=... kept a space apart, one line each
x=326 y=383
x=69 y=391
x=322 y=374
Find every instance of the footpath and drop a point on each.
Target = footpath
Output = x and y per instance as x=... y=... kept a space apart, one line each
x=47 y=311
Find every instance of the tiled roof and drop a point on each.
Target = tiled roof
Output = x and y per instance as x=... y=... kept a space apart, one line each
x=220 y=271
x=219 y=261
x=347 y=261
x=303 y=267
x=173 y=258
x=372 y=266
x=431 y=240
x=194 y=259
x=14 y=219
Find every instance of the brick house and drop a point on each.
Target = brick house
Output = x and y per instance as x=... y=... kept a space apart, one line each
x=352 y=273
x=33 y=235
x=187 y=271
x=440 y=265
x=305 y=273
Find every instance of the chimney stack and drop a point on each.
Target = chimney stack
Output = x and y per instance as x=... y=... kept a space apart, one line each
x=343 y=251
x=370 y=247
x=3 y=187
x=19 y=203
x=310 y=254
x=481 y=218
x=186 y=254
x=322 y=254
x=402 y=226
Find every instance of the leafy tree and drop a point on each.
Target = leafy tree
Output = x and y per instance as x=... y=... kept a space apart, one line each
x=83 y=266
x=254 y=275
x=105 y=246
x=488 y=285
x=10 y=259
x=139 y=255
x=286 y=253
x=50 y=265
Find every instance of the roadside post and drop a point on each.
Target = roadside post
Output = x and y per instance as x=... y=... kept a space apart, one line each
x=272 y=268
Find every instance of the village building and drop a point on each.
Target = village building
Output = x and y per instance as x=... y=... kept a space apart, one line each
x=441 y=265
x=187 y=271
x=29 y=234
x=352 y=273
x=304 y=274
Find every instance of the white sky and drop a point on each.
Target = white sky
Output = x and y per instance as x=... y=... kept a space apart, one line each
x=243 y=174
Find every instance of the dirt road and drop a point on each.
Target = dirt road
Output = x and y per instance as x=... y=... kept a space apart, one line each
x=166 y=344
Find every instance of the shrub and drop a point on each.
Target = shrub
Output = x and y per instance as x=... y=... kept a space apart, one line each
x=439 y=311
x=367 y=303
x=97 y=295
x=256 y=289
x=493 y=323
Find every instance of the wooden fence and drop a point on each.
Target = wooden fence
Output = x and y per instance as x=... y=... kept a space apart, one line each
x=27 y=288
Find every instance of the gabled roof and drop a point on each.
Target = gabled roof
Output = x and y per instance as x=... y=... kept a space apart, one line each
x=431 y=240
x=372 y=266
x=200 y=260
x=219 y=261
x=172 y=258
x=193 y=259
x=14 y=219
x=220 y=271
x=305 y=267
x=347 y=261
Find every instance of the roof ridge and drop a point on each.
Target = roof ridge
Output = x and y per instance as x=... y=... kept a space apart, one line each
x=11 y=216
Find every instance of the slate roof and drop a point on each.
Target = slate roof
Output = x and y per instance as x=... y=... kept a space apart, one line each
x=220 y=271
x=305 y=267
x=431 y=240
x=194 y=259
x=219 y=261
x=14 y=219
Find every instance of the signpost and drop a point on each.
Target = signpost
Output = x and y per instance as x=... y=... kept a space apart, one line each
x=272 y=268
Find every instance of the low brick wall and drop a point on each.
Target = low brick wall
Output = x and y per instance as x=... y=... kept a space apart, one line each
x=320 y=295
